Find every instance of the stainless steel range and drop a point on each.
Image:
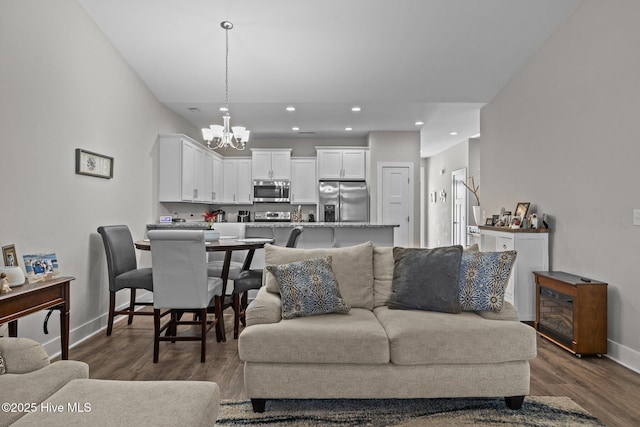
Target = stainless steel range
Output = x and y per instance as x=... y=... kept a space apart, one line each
x=272 y=217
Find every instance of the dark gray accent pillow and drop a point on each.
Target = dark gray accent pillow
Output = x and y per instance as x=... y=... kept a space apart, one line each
x=426 y=279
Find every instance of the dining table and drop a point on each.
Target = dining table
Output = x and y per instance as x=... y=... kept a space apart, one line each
x=228 y=246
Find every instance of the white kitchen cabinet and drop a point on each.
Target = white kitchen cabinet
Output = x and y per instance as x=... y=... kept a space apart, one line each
x=203 y=171
x=532 y=247
x=271 y=164
x=217 y=175
x=184 y=171
x=304 y=184
x=237 y=183
x=343 y=163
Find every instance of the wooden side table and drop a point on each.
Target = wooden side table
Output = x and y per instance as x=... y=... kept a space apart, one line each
x=32 y=297
x=571 y=311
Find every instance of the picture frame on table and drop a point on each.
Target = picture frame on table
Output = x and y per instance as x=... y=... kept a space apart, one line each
x=93 y=164
x=521 y=210
x=9 y=255
x=489 y=221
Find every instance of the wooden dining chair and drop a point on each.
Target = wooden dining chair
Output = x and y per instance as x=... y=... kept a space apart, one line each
x=178 y=259
x=123 y=272
x=250 y=280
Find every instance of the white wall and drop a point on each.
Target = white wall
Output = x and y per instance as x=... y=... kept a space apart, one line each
x=64 y=87
x=395 y=147
x=563 y=134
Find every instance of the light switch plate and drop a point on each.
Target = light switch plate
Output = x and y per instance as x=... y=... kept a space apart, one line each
x=636 y=217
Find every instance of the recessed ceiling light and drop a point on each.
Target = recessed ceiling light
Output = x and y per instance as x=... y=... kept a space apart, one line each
x=223 y=109
x=419 y=123
x=356 y=109
x=348 y=128
x=291 y=108
x=194 y=109
x=453 y=133
x=295 y=128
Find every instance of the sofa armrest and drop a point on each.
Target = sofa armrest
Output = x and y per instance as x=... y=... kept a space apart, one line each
x=265 y=308
x=508 y=313
x=22 y=355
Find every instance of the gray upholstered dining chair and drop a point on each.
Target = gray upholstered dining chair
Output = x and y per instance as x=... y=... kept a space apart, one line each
x=123 y=271
x=216 y=259
x=178 y=259
x=250 y=280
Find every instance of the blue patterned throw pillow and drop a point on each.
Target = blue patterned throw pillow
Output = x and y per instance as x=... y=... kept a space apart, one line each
x=483 y=279
x=308 y=287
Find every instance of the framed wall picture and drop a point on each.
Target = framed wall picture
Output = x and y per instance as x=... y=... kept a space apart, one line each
x=9 y=255
x=93 y=164
x=522 y=209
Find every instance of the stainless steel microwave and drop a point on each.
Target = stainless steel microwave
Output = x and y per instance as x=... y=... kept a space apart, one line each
x=268 y=191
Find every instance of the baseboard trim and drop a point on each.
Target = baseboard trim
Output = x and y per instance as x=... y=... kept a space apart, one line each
x=623 y=355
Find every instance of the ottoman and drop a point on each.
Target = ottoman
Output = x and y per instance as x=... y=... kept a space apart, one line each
x=85 y=402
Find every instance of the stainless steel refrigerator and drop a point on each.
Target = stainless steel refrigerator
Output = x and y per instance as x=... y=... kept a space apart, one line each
x=344 y=201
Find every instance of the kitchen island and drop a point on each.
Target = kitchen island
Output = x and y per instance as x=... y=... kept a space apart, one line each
x=314 y=235
x=324 y=234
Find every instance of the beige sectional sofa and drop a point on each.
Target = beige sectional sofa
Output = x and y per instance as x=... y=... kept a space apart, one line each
x=376 y=352
x=34 y=392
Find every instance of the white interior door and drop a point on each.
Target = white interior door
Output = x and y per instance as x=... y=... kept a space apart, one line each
x=397 y=190
x=459 y=208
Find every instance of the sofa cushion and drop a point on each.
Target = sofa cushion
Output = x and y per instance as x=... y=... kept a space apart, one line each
x=382 y=274
x=426 y=337
x=22 y=355
x=356 y=337
x=426 y=279
x=483 y=279
x=353 y=267
x=308 y=288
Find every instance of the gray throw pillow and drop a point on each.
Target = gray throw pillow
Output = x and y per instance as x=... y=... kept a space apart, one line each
x=308 y=287
x=483 y=279
x=426 y=279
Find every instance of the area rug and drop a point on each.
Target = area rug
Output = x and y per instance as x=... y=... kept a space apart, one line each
x=536 y=411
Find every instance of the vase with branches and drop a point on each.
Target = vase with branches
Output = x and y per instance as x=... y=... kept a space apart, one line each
x=473 y=188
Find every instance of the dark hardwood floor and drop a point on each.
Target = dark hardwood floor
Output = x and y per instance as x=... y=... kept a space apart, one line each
x=605 y=389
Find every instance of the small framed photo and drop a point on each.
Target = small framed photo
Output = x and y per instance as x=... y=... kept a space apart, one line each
x=9 y=255
x=489 y=221
x=93 y=164
x=521 y=210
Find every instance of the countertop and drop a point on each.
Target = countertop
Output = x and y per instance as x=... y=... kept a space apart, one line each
x=199 y=225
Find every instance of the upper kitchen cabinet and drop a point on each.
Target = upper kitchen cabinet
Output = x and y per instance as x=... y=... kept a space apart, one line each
x=304 y=184
x=343 y=163
x=271 y=164
x=217 y=185
x=238 y=187
x=186 y=170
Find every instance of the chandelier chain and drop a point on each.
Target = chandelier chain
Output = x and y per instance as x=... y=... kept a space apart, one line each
x=226 y=69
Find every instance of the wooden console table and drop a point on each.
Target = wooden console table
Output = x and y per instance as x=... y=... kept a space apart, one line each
x=571 y=311
x=32 y=297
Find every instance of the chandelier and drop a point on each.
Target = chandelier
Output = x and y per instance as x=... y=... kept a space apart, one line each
x=221 y=136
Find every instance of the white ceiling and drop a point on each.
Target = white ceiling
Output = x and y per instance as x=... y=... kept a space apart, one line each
x=436 y=61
